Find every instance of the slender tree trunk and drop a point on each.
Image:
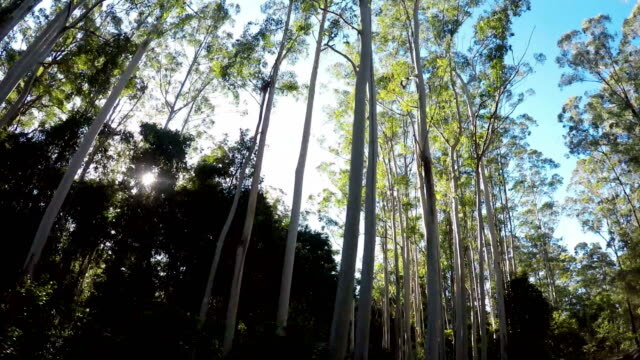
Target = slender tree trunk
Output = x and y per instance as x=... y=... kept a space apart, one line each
x=458 y=270
x=61 y=192
x=632 y=318
x=187 y=75
x=204 y=304
x=434 y=281
x=473 y=302
x=386 y=333
x=369 y=252
x=38 y=50
x=13 y=111
x=243 y=246
x=101 y=141
x=481 y=248
x=398 y=314
x=509 y=220
x=493 y=236
x=292 y=234
x=15 y=12
x=344 y=294
x=398 y=311
x=186 y=119
x=406 y=268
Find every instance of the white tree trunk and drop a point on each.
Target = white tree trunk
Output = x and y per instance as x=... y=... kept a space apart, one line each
x=474 y=305
x=13 y=111
x=458 y=262
x=292 y=234
x=369 y=253
x=396 y=266
x=204 y=304
x=61 y=192
x=386 y=330
x=344 y=293
x=481 y=290
x=435 y=334
x=14 y=17
x=38 y=50
x=493 y=237
x=243 y=246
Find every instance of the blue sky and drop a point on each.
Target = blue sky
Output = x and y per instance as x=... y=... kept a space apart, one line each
x=548 y=20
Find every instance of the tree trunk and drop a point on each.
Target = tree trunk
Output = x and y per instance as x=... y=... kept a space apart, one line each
x=14 y=110
x=15 y=12
x=406 y=271
x=192 y=65
x=483 y=316
x=493 y=237
x=434 y=281
x=473 y=302
x=386 y=333
x=243 y=246
x=344 y=293
x=369 y=252
x=38 y=50
x=396 y=266
x=458 y=270
x=61 y=192
x=204 y=304
x=292 y=234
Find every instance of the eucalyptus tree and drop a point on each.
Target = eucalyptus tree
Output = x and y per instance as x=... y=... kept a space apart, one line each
x=88 y=140
x=602 y=209
x=602 y=127
x=344 y=293
x=538 y=214
x=41 y=46
x=291 y=41
x=77 y=72
x=493 y=79
x=292 y=232
x=13 y=13
x=595 y=54
x=435 y=335
x=182 y=65
x=363 y=319
x=240 y=65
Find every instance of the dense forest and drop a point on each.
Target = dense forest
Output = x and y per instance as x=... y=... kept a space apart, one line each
x=135 y=227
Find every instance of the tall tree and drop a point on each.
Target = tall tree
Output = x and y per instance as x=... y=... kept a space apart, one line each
x=41 y=46
x=287 y=267
x=363 y=320
x=12 y=13
x=344 y=293
x=241 y=251
x=61 y=192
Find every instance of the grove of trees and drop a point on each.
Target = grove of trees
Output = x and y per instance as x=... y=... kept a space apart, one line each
x=135 y=228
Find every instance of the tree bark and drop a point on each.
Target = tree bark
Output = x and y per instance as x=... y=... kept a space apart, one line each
x=483 y=316
x=344 y=293
x=396 y=266
x=292 y=234
x=243 y=246
x=369 y=254
x=204 y=304
x=386 y=333
x=61 y=192
x=13 y=111
x=434 y=282
x=493 y=237
x=38 y=50
x=458 y=270
x=16 y=11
